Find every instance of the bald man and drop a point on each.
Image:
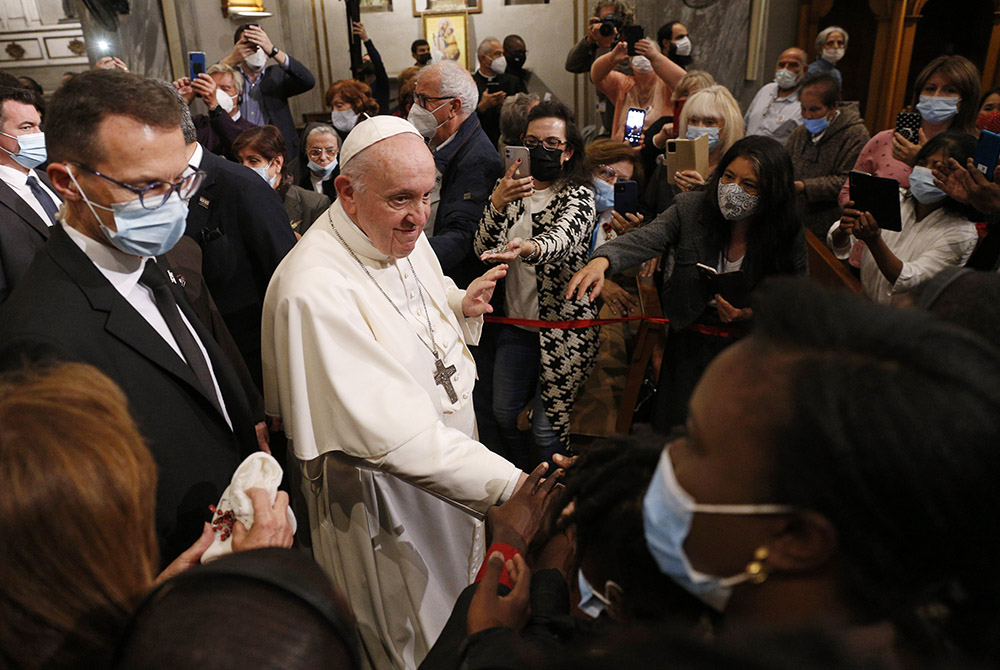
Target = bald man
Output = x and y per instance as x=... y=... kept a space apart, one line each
x=775 y=111
x=367 y=364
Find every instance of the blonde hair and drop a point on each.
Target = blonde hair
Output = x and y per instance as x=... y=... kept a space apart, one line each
x=221 y=68
x=717 y=101
x=694 y=80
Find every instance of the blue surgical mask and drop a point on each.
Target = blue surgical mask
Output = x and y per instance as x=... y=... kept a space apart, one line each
x=693 y=132
x=321 y=171
x=816 y=126
x=31 y=152
x=262 y=171
x=141 y=231
x=592 y=603
x=937 y=109
x=604 y=195
x=922 y=186
x=667 y=512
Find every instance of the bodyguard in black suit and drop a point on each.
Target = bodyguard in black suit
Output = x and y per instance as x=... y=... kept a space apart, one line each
x=27 y=201
x=244 y=232
x=85 y=296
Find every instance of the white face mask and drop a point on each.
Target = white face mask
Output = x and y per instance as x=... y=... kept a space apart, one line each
x=424 y=120
x=256 y=60
x=499 y=65
x=833 y=55
x=225 y=100
x=786 y=79
x=344 y=120
x=641 y=64
x=683 y=46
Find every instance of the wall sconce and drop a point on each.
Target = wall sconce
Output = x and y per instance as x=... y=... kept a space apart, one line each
x=244 y=9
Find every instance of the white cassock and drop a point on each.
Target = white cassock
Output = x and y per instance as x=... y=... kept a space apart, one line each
x=395 y=482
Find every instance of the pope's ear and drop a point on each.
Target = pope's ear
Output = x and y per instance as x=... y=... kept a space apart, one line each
x=62 y=183
x=345 y=193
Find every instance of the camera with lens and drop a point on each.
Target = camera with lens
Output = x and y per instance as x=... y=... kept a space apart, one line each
x=611 y=24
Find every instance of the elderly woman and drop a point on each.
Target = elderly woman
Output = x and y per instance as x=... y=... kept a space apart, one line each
x=711 y=111
x=318 y=165
x=542 y=226
x=831 y=44
x=77 y=517
x=648 y=87
x=823 y=150
x=742 y=222
x=263 y=150
x=350 y=101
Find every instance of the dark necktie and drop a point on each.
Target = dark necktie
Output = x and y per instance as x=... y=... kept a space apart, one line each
x=43 y=198
x=154 y=279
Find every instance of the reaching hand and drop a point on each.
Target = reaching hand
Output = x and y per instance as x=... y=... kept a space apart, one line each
x=263 y=437
x=358 y=29
x=618 y=300
x=183 y=86
x=622 y=223
x=968 y=184
x=491 y=100
x=488 y=609
x=518 y=520
x=270 y=523
x=190 y=557
x=650 y=267
x=590 y=278
x=477 y=297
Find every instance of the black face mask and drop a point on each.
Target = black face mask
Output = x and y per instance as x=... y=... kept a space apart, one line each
x=683 y=61
x=546 y=164
x=424 y=59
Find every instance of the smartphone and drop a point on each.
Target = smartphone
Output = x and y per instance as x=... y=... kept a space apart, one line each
x=908 y=125
x=196 y=64
x=492 y=86
x=511 y=154
x=987 y=152
x=684 y=154
x=632 y=34
x=634 y=121
x=626 y=197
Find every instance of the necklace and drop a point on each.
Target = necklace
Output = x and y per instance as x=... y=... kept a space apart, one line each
x=442 y=373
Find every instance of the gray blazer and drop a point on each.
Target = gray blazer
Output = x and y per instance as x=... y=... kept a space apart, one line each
x=680 y=229
x=303 y=207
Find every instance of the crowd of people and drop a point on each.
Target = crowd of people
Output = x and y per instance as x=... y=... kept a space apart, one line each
x=225 y=334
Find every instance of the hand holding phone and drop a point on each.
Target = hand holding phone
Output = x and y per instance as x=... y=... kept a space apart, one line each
x=635 y=119
x=626 y=197
x=632 y=34
x=512 y=154
x=196 y=64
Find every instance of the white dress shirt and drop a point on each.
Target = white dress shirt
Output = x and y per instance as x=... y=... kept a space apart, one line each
x=18 y=182
x=925 y=247
x=771 y=116
x=123 y=271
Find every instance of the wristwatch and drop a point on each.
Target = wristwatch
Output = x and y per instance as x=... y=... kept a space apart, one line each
x=274 y=51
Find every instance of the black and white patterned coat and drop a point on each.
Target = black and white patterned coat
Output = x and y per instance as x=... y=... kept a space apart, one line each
x=562 y=232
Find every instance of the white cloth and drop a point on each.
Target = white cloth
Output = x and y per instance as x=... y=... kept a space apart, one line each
x=257 y=471
x=18 y=182
x=522 y=282
x=123 y=271
x=926 y=247
x=395 y=483
x=772 y=116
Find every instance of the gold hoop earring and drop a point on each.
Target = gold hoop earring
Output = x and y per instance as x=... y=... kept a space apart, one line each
x=757 y=569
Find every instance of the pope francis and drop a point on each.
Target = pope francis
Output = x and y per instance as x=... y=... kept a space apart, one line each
x=367 y=364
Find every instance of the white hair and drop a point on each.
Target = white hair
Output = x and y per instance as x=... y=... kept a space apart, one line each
x=454 y=82
x=322 y=129
x=220 y=68
x=484 y=46
x=825 y=34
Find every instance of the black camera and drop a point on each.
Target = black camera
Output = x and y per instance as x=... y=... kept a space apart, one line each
x=611 y=24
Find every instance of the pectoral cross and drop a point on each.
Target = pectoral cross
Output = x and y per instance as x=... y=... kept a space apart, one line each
x=442 y=377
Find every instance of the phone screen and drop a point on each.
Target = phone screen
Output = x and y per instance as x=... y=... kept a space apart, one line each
x=634 y=120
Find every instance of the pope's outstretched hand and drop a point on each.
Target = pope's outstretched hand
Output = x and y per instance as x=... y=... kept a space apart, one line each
x=480 y=291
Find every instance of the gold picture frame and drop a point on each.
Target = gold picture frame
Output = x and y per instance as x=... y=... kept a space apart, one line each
x=448 y=37
x=421 y=7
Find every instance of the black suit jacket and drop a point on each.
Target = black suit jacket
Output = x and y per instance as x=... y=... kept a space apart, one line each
x=65 y=308
x=277 y=85
x=22 y=234
x=244 y=232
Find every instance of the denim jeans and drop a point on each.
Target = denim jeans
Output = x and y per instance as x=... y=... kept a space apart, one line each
x=515 y=381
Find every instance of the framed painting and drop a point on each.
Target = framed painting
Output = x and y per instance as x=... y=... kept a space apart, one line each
x=376 y=5
x=421 y=7
x=448 y=36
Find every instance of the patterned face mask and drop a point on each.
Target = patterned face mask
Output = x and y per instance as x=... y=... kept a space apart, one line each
x=735 y=203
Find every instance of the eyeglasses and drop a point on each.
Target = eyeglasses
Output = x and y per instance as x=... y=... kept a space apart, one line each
x=608 y=174
x=551 y=143
x=422 y=99
x=155 y=195
x=318 y=152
